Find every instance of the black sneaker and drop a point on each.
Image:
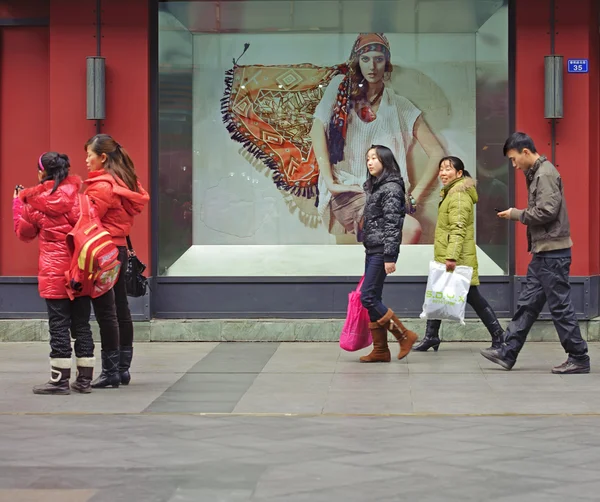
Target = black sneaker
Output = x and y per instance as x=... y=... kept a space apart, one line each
x=496 y=356
x=572 y=367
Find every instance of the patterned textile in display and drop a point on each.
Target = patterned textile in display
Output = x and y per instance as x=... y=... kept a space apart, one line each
x=269 y=110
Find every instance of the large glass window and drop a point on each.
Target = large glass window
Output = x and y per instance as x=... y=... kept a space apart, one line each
x=260 y=170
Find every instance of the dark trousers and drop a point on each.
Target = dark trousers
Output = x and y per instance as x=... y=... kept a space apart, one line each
x=68 y=319
x=547 y=281
x=478 y=302
x=106 y=316
x=482 y=309
x=112 y=312
x=372 y=288
x=123 y=313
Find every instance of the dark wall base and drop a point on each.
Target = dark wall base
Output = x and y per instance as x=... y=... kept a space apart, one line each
x=19 y=299
x=327 y=297
x=285 y=298
x=584 y=293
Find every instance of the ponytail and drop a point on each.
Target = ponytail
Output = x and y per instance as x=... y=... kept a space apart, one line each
x=124 y=168
x=55 y=166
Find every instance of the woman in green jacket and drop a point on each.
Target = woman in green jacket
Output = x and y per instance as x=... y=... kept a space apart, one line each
x=455 y=245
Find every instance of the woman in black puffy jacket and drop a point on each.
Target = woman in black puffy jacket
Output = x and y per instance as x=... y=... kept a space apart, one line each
x=383 y=220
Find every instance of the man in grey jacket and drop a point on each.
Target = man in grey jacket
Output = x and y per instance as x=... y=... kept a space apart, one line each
x=549 y=241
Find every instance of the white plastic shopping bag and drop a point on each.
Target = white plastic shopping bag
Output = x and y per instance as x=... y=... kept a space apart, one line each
x=446 y=294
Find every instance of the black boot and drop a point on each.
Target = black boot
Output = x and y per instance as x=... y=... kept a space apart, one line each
x=110 y=371
x=490 y=321
x=497 y=340
x=498 y=356
x=126 y=356
x=85 y=371
x=432 y=337
x=60 y=373
x=573 y=366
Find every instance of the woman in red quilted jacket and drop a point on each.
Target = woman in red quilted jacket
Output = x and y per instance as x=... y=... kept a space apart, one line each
x=118 y=196
x=49 y=211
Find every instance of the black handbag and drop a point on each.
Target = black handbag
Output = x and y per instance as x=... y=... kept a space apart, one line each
x=135 y=281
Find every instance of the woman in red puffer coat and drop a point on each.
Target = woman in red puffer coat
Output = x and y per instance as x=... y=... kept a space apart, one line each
x=118 y=196
x=49 y=211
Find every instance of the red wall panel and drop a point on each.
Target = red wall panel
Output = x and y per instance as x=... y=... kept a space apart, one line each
x=125 y=45
x=24 y=132
x=44 y=99
x=576 y=32
x=594 y=186
x=72 y=38
x=573 y=131
x=532 y=44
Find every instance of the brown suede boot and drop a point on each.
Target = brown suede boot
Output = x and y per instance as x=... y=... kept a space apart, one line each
x=405 y=337
x=380 y=352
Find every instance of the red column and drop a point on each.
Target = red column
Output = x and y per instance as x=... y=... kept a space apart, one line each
x=125 y=45
x=44 y=99
x=576 y=37
x=24 y=133
x=532 y=44
x=72 y=39
x=577 y=133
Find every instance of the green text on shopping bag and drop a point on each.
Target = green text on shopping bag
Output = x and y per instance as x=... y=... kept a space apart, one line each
x=445 y=298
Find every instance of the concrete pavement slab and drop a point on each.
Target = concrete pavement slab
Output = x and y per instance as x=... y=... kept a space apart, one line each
x=298 y=422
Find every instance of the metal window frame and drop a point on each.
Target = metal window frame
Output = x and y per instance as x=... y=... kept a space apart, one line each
x=178 y=290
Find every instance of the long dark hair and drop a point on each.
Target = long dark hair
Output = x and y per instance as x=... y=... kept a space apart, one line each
x=389 y=164
x=358 y=84
x=54 y=166
x=118 y=163
x=456 y=163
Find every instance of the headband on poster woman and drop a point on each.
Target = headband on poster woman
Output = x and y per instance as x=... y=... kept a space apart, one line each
x=338 y=125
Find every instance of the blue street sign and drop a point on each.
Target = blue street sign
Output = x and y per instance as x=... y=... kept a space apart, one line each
x=578 y=66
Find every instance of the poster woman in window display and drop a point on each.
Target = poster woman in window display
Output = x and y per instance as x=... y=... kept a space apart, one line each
x=356 y=111
x=312 y=126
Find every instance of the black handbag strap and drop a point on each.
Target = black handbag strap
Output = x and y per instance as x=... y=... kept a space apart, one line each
x=129 y=246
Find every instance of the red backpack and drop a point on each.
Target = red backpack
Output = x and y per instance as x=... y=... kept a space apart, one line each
x=95 y=264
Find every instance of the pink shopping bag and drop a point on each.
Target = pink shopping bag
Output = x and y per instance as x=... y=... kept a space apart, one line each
x=355 y=333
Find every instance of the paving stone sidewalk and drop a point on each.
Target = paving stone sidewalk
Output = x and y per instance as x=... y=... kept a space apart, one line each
x=313 y=379
x=299 y=422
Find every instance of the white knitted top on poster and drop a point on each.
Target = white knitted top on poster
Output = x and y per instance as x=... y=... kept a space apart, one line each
x=393 y=128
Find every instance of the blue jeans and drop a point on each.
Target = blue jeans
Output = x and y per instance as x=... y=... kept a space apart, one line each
x=372 y=288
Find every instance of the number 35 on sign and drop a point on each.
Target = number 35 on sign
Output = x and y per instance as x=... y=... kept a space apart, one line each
x=578 y=65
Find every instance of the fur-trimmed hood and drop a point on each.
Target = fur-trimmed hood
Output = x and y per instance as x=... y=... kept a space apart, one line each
x=455 y=227
x=464 y=184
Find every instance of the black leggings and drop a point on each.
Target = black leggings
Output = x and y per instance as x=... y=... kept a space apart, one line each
x=482 y=309
x=478 y=302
